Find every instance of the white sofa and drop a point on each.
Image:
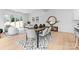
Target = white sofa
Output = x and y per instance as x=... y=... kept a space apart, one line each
x=12 y=31
x=15 y=27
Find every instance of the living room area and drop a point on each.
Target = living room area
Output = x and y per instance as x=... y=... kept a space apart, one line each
x=42 y=29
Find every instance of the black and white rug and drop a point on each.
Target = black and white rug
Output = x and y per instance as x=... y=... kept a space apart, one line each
x=32 y=44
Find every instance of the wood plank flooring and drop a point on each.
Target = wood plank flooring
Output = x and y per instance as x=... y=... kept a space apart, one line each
x=60 y=41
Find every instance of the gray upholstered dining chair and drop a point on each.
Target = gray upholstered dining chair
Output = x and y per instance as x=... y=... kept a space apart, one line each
x=76 y=32
x=49 y=36
x=43 y=38
x=30 y=39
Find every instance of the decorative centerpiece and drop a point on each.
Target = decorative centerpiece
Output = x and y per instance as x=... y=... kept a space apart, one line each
x=35 y=26
x=40 y=26
x=43 y=25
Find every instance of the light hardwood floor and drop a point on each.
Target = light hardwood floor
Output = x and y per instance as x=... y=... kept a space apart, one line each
x=60 y=41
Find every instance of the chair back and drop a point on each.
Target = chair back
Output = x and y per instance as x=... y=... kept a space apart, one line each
x=76 y=32
x=45 y=31
x=30 y=33
x=49 y=30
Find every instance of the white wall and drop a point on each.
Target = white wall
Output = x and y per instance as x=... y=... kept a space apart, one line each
x=76 y=14
x=75 y=17
x=40 y=14
x=64 y=16
x=2 y=21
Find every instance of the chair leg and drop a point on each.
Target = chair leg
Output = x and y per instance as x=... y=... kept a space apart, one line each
x=50 y=37
x=42 y=42
x=46 y=43
x=77 y=42
x=26 y=41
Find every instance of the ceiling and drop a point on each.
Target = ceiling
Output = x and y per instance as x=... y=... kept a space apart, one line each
x=30 y=10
